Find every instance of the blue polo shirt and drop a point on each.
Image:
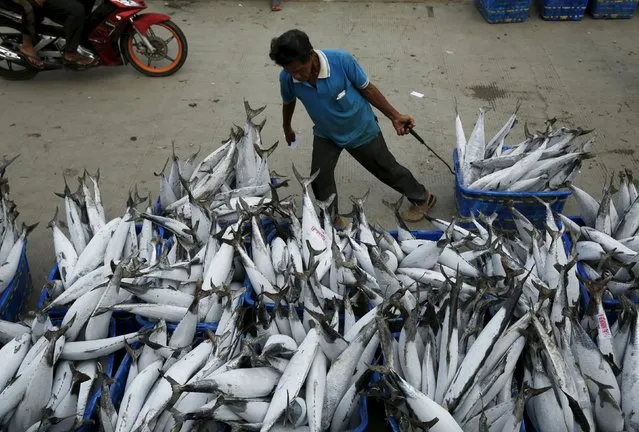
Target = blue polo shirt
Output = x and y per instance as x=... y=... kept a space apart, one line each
x=338 y=110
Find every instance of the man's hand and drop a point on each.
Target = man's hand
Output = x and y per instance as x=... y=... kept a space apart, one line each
x=400 y=122
x=40 y=2
x=289 y=133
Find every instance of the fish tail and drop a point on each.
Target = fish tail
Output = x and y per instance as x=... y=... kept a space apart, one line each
x=179 y=418
x=54 y=221
x=132 y=353
x=305 y=181
x=596 y=289
x=161 y=173
x=252 y=113
x=265 y=153
x=259 y=126
x=176 y=390
x=278 y=297
x=94 y=178
x=67 y=190
x=324 y=205
x=359 y=202
x=6 y=162
x=237 y=133
x=27 y=229
x=629 y=175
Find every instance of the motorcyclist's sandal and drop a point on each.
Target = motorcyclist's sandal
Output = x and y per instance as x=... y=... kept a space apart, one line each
x=33 y=61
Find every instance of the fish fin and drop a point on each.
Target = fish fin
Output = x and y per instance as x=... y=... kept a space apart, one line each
x=27 y=229
x=265 y=153
x=324 y=205
x=54 y=220
x=176 y=390
x=77 y=377
x=237 y=134
x=161 y=173
x=277 y=297
x=179 y=418
x=580 y=417
x=94 y=178
x=67 y=190
x=6 y=162
x=305 y=181
x=259 y=126
x=359 y=202
x=252 y=113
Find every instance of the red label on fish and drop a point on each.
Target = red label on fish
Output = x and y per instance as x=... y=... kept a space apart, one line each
x=319 y=232
x=604 y=329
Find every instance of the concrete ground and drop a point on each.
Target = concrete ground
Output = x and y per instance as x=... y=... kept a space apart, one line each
x=118 y=121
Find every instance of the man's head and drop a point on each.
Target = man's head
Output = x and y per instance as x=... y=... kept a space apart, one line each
x=293 y=51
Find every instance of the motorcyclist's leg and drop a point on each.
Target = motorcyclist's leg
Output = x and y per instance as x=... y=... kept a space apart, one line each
x=71 y=14
x=89 y=21
x=29 y=34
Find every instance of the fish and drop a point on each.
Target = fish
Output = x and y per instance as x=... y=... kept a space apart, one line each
x=548 y=160
x=453 y=316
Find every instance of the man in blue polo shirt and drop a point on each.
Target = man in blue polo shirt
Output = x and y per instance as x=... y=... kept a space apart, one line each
x=338 y=96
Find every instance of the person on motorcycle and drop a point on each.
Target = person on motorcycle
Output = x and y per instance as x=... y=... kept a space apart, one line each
x=70 y=13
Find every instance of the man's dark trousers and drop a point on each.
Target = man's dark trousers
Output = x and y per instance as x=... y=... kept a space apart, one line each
x=374 y=156
x=70 y=14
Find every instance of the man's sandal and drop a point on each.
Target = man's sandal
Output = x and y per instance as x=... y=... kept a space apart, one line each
x=33 y=61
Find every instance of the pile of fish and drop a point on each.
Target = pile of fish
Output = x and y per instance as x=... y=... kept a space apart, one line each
x=156 y=372
x=156 y=284
x=519 y=343
x=238 y=168
x=317 y=263
x=285 y=374
x=608 y=246
x=547 y=160
x=87 y=255
x=491 y=324
x=50 y=373
x=12 y=239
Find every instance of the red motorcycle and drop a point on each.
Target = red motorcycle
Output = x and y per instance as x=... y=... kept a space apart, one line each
x=115 y=33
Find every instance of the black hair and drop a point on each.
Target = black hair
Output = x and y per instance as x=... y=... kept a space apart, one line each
x=290 y=46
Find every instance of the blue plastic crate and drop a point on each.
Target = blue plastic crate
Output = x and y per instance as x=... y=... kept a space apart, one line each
x=15 y=294
x=615 y=9
x=503 y=11
x=563 y=10
x=470 y=201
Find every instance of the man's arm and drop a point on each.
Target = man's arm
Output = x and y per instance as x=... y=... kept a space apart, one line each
x=287 y=117
x=287 y=114
x=377 y=99
x=372 y=94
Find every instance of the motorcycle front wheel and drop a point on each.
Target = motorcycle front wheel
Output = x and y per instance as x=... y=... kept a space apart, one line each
x=164 y=60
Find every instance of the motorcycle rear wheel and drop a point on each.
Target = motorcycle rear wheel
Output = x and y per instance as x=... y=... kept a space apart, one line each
x=9 y=70
x=133 y=48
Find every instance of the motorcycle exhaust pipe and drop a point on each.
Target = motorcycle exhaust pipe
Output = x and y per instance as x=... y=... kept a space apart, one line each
x=7 y=54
